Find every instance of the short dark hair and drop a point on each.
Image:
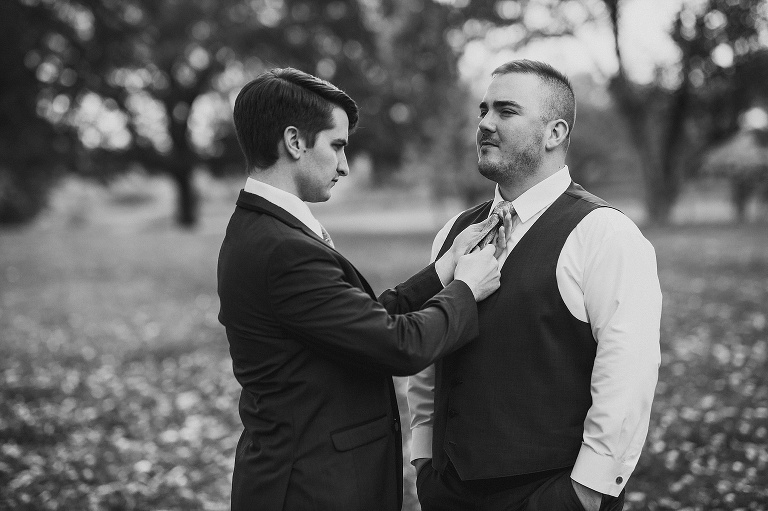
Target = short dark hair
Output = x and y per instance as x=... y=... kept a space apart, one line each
x=280 y=98
x=560 y=102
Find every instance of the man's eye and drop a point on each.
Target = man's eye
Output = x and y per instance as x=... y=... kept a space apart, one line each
x=508 y=112
x=482 y=113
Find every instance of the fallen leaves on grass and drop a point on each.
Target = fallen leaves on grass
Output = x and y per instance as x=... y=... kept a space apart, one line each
x=144 y=434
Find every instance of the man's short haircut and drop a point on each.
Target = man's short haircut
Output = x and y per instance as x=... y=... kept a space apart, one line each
x=560 y=102
x=279 y=98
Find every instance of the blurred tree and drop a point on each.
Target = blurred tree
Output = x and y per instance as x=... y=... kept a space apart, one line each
x=672 y=121
x=32 y=150
x=669 y=120
x=151 y=81
x=591 y=161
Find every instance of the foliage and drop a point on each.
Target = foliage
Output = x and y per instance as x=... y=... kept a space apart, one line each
x=151 y=82
x=673 y=119
x=117 y=391
x=32 y=151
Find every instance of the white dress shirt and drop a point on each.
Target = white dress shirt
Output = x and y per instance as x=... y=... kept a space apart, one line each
x=607 y=276
x=285 y=200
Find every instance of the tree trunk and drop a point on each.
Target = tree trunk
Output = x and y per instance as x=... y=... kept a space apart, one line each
x=186 y=199
x=656 y=134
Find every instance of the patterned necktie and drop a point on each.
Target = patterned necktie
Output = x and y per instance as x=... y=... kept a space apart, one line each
x=490 y=226
x=327 y=237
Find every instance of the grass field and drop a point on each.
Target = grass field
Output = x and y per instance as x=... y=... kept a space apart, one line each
x=117 y=390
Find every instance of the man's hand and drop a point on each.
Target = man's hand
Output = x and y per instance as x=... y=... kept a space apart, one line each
x=589 y=498
x=446 y=265
x=480 y=271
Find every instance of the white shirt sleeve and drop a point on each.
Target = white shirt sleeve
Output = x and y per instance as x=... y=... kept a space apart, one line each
x=421 y=387
x=614 y=266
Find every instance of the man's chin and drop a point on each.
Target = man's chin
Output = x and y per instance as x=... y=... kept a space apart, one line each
x=489 y=171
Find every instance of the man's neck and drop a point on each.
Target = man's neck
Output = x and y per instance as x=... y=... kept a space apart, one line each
x=514 y=188
x=278 y=176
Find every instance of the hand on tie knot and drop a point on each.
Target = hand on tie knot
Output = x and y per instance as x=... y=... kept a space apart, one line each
x=468 y=239
x=494 y=229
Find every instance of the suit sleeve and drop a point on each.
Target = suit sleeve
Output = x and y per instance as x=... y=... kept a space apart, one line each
x=413 y=293
x=421 y=387
x=314 y=301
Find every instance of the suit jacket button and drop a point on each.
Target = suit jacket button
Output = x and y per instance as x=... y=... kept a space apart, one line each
x=452 y=413
x=396 y=426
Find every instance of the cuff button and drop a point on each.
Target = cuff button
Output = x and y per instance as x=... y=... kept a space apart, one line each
x=619 y=480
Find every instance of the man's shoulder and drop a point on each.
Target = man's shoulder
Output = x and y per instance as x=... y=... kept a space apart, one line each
x=261 y=234
x=578 y=192
x=606 y=222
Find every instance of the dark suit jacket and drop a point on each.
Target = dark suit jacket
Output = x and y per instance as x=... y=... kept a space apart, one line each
x=314 y=352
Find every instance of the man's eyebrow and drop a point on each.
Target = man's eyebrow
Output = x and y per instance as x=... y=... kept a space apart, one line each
x=501 y=104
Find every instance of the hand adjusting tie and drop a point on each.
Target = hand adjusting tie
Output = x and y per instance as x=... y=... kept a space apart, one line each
x=489 y=226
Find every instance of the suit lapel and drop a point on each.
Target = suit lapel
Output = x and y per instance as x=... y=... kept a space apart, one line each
x=254 y=202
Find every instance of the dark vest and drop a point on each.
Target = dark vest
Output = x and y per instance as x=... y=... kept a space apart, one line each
x=514 y=400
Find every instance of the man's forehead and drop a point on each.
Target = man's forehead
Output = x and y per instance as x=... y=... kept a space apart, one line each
x=517 y=87
x=339 y=129
x=340 y=121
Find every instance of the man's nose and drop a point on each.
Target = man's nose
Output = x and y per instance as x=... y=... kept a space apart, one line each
x=486 y=124
x=343 y=167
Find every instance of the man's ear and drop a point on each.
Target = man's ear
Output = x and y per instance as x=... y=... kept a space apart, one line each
x=293 y=142
x=557 y=133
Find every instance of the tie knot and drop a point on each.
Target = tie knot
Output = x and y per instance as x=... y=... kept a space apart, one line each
x=503 y=207
x=488 y=228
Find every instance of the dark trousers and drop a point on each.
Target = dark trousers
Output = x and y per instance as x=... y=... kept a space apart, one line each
x=544 y=491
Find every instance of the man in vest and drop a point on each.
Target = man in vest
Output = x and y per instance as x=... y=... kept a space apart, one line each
x=550 y=410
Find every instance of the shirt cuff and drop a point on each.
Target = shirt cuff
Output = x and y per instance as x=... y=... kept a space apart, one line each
x=421 y=442
x=444 y=271
x=600 y=473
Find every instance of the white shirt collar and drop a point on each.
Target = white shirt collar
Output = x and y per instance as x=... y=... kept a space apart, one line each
x=286 y=201
x=539 y=196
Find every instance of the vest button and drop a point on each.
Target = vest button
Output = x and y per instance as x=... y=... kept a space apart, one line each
x=396 y=426
x=452 y=413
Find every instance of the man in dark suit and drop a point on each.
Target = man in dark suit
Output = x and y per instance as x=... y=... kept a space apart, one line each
x=549 y=411
x=311 y=346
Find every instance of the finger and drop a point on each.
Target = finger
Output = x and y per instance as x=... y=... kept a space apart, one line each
x=489 y=249
x=502 y=238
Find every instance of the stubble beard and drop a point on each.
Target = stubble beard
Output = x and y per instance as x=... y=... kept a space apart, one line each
x=522 y=165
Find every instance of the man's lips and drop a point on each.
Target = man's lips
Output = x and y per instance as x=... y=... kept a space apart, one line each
x=484 y=143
